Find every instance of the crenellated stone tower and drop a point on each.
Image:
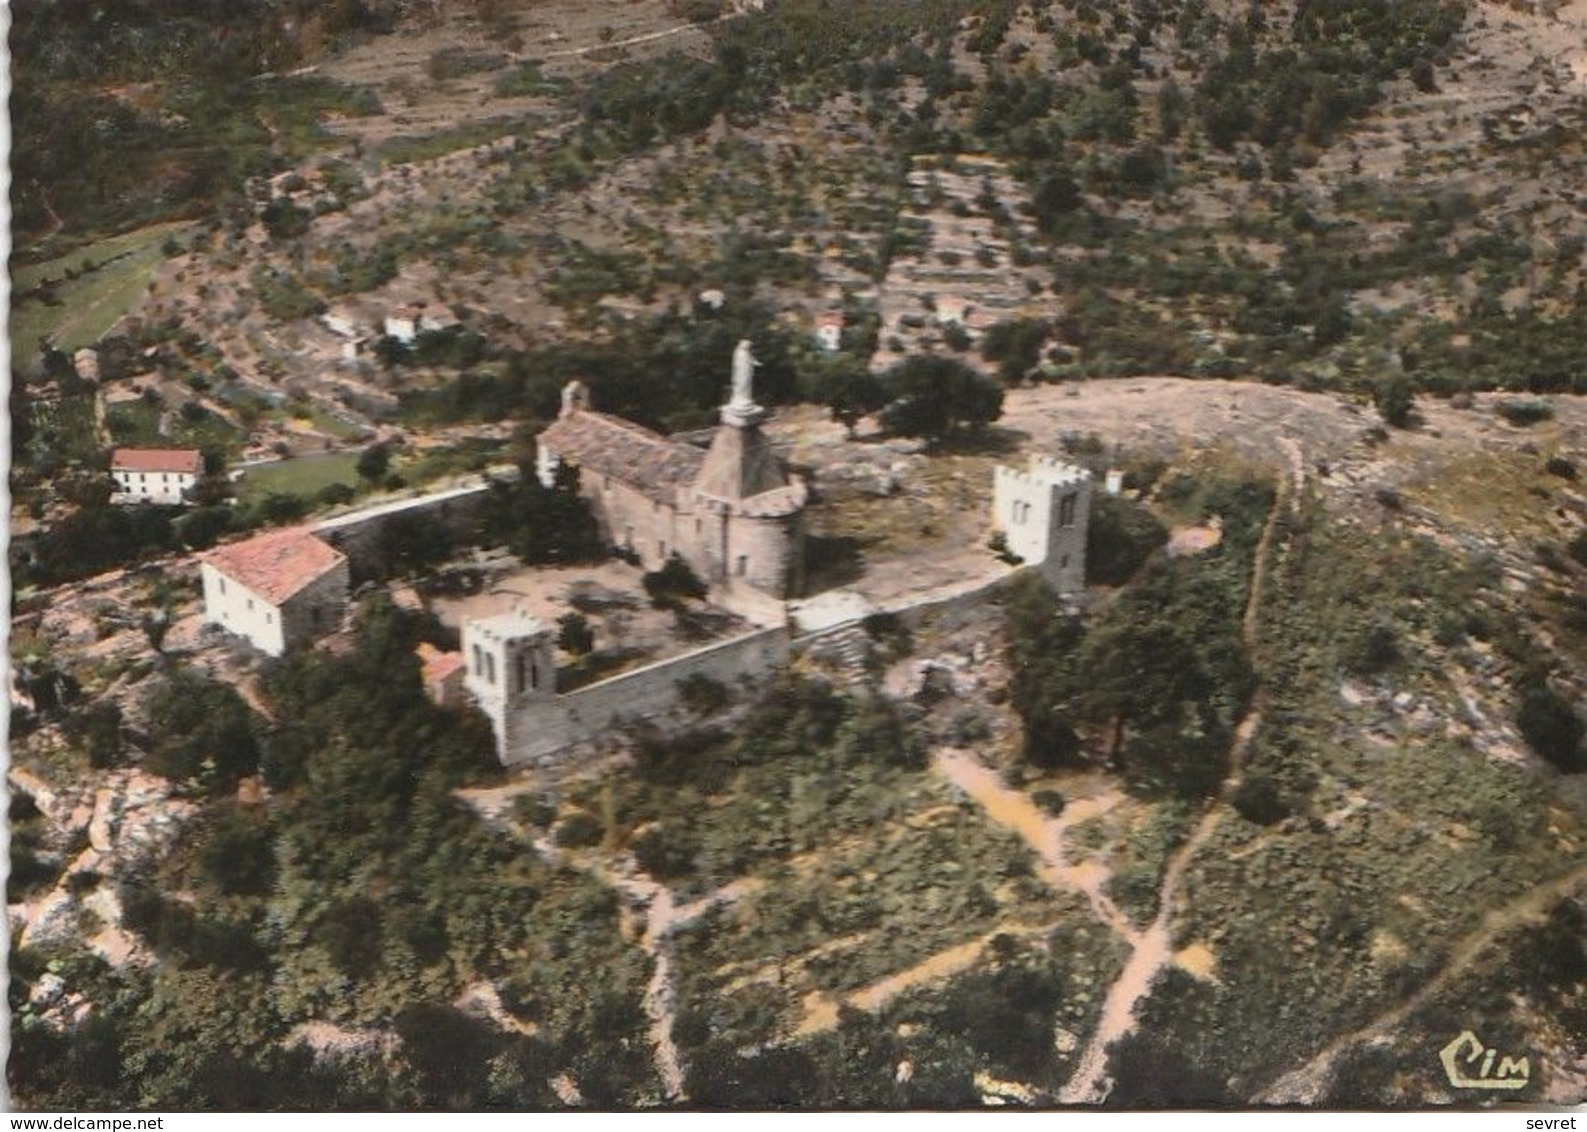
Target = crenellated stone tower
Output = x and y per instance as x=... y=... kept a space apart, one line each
x=1043 y=513
x=511 y=664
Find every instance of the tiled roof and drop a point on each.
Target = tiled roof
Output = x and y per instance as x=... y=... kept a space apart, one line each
x=277 y=564
x=610 y=446
x=188 y=460
x=438 y=665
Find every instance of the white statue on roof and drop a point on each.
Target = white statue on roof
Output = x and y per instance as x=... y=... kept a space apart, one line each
x=575 y=398
x=744 y=364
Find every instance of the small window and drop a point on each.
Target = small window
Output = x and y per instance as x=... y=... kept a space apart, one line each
x=490 y=668
x=1066 y=511
x=534 y=675
x=523 y=668
x=479 y=661
x=742 y=567
x=1064 y=563
x=270 y=618
x=662 y=547
x=250 y=604
x=222 y=583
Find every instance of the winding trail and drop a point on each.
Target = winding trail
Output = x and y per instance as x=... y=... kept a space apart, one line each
x=1015 y=811
x=1305 y=1085
x=663 y=916
x=1154 y=948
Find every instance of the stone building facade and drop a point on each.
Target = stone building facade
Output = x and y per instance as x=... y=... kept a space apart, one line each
x=279 y=590
x=731 y=511
x=1043 y=514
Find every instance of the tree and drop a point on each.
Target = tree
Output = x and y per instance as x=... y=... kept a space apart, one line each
x=202 y=729
x=1057 y=197
x=846 y=386
x=574 y=635
x=155 y=626
x=99 y=730
x=374 y=462
x=545 y=524
x=1551 y=727
x=1121 y=536
x=936 y=396
x=1395 y=399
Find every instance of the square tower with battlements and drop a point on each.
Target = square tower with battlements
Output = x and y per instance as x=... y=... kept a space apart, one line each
x=1043 y=513
x=509 y=663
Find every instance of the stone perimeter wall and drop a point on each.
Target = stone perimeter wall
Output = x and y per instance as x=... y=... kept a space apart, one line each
x=537 y=731
x=542 y=733
x=362 y=535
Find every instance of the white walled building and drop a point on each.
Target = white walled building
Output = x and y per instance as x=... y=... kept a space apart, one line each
x=829 y=331
x=155 y=475
x=509 y=664
x=1043 y=515
x=278 y=590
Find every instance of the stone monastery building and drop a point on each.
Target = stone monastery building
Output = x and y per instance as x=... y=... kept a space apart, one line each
x=731 y=512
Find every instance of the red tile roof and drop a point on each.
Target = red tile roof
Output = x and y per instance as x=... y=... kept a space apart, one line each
x=277 y=564
x=188 y=460
x=628 y=453
x=438 y=665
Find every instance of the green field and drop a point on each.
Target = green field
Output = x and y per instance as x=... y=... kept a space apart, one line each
x=138 y=423
x=305 y=476
x=89 y=305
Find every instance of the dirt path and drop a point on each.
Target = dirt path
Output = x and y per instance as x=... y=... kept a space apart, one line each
x=663 y=916
x=1015 y=811
x=1154 y=948
x=1305 y=1085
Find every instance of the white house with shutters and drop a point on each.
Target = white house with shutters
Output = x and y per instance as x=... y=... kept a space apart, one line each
x=155 y=475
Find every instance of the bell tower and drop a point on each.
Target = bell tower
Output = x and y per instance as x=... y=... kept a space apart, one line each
x=511 y=663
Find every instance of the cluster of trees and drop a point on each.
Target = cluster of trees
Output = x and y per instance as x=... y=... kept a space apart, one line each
x=1159 y=678
x=92 y=161
x=933 y=396
x=366 y=893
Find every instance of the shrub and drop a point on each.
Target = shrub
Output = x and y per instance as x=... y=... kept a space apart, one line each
x=1051 y=802
x=1259 y=799
x=574 y=635
x=1551 y=727
x=1395 y=400
x=579 y=830
x=701 y=694
x=1561 y=467
x=665 y=852
x=1374 y=649
x=671 y=584
x=1523 y=411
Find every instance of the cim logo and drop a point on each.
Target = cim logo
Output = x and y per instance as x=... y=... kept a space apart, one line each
x=1471 y=1065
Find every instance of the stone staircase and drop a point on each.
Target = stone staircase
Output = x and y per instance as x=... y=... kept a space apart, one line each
x=847 y=654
